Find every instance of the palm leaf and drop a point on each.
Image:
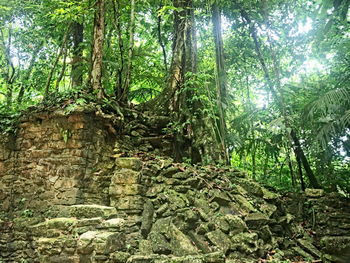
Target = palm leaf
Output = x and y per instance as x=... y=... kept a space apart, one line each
x=333 y=128
x=330 y=100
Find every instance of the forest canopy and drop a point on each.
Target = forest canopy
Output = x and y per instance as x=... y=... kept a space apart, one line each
x=263 y=83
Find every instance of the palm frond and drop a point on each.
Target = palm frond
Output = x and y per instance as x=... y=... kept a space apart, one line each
x=331 y=99
x=332 y=128
x=344 y=120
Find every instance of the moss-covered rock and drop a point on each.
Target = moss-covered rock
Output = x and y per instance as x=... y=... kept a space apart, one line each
x=334 y=244
x=129 y=163
x=159 y=236
x=314 y=193
x=180 y=244
x=268 y=195
x=101 y=242
x=114 y=223
x=268 y=209
x=246 y=243
x=119 y=257
x=125 y=176
x=309 y=247
x=158 y=211
x=244 y=204
x=256 y=220
x=147 y=218
x=236 y=224
x=220 y=197
x=89 y=211
x=220 y=240
x=251 y=187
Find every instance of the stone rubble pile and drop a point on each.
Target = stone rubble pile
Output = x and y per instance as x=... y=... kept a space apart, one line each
x=128 y=202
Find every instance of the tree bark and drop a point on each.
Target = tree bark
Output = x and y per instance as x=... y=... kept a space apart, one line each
x=301 y=156
x=183 y=59
x=221 y=78
x=175 y=100
x=118 y=90
x=127 y=82
x=291 y=171
x=160 y=40
x=78 y=37
x=97 y=49
x=300 y=171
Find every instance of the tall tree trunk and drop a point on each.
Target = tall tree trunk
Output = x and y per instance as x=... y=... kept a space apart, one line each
x=279 y=99
x=174 y=100
x=78 y=37
x=300 y=171
x=97 y=49
x=118 y=90
x=183 y=60
x=161 y=42
x=127 y=82
x=291 y=171
x=300 y=154
x=221 y=78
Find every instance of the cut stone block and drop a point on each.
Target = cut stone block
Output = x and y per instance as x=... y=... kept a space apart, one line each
x=125 y=176
x=129 y=163
x=127 y=202
x=101 y=242
x=89 y=211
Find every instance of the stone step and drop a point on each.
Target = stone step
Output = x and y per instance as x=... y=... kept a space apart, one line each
x=101 y=242
x=64 y=226
x=55 y=227
x=217 y=257
x=87 y=238
x=88 y=247
x=91 y=211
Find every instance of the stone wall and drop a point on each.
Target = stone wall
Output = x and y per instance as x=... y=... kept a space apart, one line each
x=163 y=212
x=76 y=189
x=54 y=159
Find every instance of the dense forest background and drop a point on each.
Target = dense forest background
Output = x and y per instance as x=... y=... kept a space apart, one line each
x=260 y=85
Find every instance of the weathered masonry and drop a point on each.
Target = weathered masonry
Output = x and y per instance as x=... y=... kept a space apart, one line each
x=53 y=160
x=76 y=188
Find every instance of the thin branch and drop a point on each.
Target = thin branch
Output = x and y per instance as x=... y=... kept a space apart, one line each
x=29 y=72
x=48 y=81
x=60 y=76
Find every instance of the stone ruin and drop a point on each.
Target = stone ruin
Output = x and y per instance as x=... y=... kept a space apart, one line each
x=84 y=187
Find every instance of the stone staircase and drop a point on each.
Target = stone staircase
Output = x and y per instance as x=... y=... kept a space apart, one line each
x=163 y=212
x=92 y=232
x=88 y=233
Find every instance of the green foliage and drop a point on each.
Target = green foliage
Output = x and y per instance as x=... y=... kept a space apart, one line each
x=66 y=134
x=27 y=213
x=304 y=47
